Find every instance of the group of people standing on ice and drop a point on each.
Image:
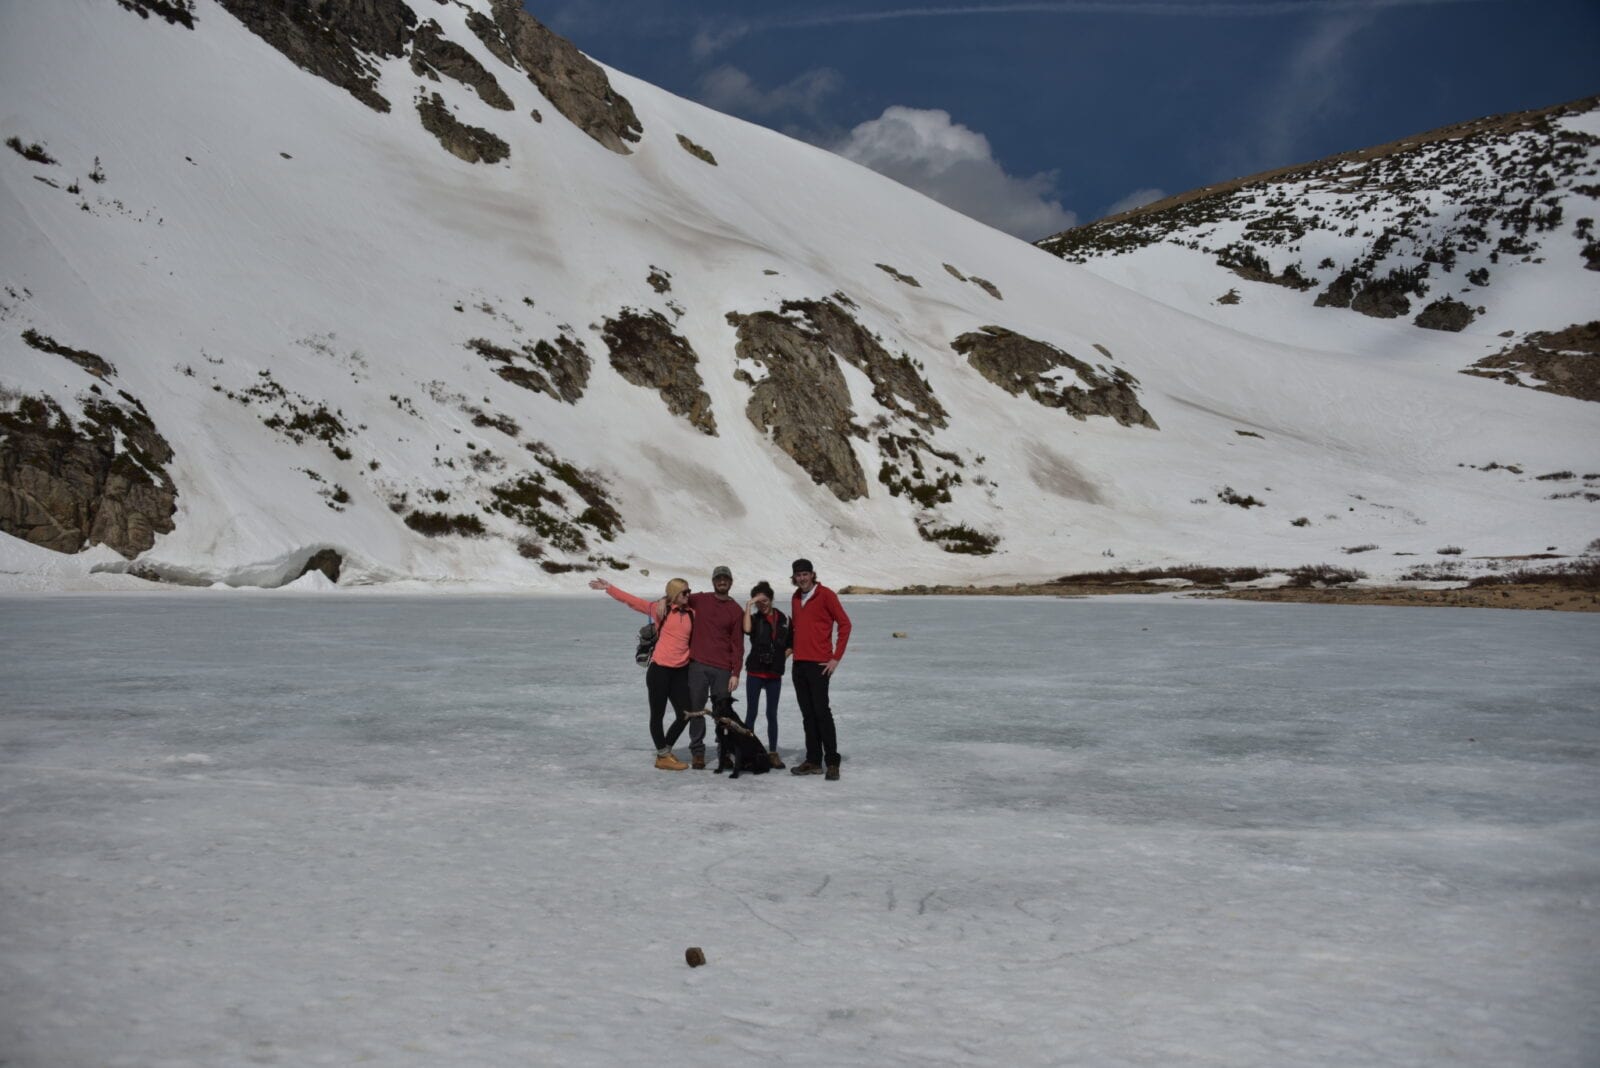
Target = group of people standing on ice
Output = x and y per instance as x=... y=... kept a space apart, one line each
x=700 y=651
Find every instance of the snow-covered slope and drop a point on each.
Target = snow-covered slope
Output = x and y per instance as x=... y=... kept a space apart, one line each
x=648 y=347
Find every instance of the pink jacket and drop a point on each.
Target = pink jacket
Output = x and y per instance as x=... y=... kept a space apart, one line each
x=672 y=647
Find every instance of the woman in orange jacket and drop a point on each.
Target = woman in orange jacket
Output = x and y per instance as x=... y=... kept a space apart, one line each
x=667 y=677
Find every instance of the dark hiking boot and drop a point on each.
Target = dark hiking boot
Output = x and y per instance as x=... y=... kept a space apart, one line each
x=777 y=761
x=833 y=771
x=698 y=761
x=806 y=768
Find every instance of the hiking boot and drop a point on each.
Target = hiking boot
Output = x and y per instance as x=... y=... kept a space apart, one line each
x=805 y=768
x=777 y=761
x=699 y=761
x=833 y=772
x=667 y=762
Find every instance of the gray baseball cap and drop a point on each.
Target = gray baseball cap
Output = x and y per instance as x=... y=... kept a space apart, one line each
x=721 y=571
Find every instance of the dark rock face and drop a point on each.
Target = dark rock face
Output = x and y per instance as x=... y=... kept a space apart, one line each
x=328 y=37
x=559 y=369
x=1019 y=365
x=176 y=12
x=328 y=561
x=95 y=365
x=803 y=403
x=646 y=352
x=905 y=279
x=470 y=143
x=895 y=382
x=1564 y=361
x=103 y=481
x=1447 y=314
x=703 y=154
x=432 y=54
x=571 y=81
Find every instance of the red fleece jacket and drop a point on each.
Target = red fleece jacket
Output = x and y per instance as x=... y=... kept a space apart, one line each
x=813 y=626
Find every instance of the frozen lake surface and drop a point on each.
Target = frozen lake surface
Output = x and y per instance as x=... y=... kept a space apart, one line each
x=288 y=830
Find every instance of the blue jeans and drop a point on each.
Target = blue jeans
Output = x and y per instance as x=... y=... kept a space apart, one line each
x=753 y=689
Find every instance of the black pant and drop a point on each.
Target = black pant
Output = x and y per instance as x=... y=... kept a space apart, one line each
x=811 y=692
x=664 y=684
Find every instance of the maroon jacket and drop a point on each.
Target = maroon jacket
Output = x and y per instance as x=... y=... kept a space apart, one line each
x=718 y=632
x=813 y=626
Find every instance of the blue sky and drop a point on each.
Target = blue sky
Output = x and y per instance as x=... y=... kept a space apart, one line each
x=1037 y=115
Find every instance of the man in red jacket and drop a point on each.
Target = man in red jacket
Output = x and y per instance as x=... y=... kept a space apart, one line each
x=815 y=612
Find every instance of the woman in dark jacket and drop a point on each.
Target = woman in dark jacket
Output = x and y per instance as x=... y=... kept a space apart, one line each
x=770 y=643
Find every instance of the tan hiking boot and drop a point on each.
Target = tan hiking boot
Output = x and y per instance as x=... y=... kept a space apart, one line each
x=667 y=762
x=777 y=761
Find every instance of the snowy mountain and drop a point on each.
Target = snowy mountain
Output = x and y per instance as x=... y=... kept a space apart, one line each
x=420 y=294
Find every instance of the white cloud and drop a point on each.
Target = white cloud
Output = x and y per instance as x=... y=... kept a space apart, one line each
x=731 y=90
x=1136 y=199
x=955 y=165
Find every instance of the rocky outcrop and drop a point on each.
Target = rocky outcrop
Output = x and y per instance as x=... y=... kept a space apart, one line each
x=470 y=143
x=1020 y=365
x=103 y=480
x=646 y=352
x=904 y=279
x=1559 y=361
x=98 y=366
x=332 y=38
x=1448 y=314
x=803 y=402
x=570 y=80
x=176 y=12
x=896 y=383
x=433 y=54
x=699 y=153
x=559 y=369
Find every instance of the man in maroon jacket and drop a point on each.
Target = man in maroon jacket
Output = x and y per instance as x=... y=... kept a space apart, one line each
x=815 y=612
x=716 y=653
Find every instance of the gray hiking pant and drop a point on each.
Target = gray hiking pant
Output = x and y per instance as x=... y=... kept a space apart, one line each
x=704 y=681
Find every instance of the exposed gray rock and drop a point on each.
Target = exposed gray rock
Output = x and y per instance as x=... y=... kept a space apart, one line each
x=98 y=366
x=897 y=276
x=327 y=561
x=988 y=287
x=646 y=352
x=895 y=382
x=1019 y=365
x=1566 y=362
x=570 y=80
x=102 y=481
x=696 y=151
x=433 y=54
x=1447 y=314
x=803 y=403
x=470 y=143
x=331 y=38
x=176 y=12
x=489 y=33
x=954 y=273
x=559 y=369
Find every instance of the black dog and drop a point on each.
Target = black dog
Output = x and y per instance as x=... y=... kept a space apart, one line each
x=738 y=749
